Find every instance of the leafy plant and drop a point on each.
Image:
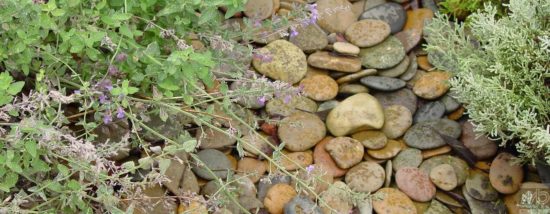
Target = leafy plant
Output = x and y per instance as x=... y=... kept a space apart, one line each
x=8 y=88
x=460 y=9
x=501 y=71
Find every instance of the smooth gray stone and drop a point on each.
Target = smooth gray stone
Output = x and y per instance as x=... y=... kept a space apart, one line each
x=404 y=97
x=216 y=161
x=484 y=207
x=450 y=103
x=429 y=111
x=383 y=83
x=392 y=13
x=411 y=70
x=445 y=127
x=423 y=136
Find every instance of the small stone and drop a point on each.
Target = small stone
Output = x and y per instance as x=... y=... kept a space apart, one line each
x=432 y=85
x=300 y=204
x=352 y=89
x=301 y=131
x=391 y=13
x=457 y=114
x=356 y=113
x=389 y=151
x=365 y=177
x=337 y=21
x=483 y=207
x=278 y=106
x=396 y=70
x=265 y=184
x=444 y=177
x=174 y=173
x=419 y=73
x=373 y=3
x=505 y=175
x=391 y=200
x=429 y=111
x=389 y=172
x=259 y=9
x=383 y=83
x=409 y=157
x=371 y=139
x=415 y=183
x=193 y=207
x=423 y=136
x=312 y=71
x=337 y=199
x=460 y=166
x=252 y=167
x=328 y=105
x=287 y=62
x=428 y=153
x=409 y=38
x=345 y=151
x=310 y=38
x=323 y=179
x=404 y=97
x=358 y=8
x=296 y=160
x=345 y=48
x=423 y=63
x=368 y=32
x=411 y=69
x=277 y=196
x=479 y=187
x=416 y=19
x=326 y=60
x=480 y=145
x=190 y=183
x=447 y=199
x=209 y=138
x=214 y=160
x=430 y=4
x=437 y=207
x=322 y=158
x=257 y=143
x=445 y=127
x=397 y=120
x=319 y=87
x=356 y=76
x=450 y=103
x=383 y=55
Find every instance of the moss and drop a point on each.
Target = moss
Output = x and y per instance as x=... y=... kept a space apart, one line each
x=500 y=66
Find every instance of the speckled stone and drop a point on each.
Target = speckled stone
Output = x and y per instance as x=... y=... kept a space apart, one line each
x=384 y=55
x=215 y=161
x=365 y=177
x=319 y=87
x=288 y=63
x=444 y=177
x=479 y=187
x=404 y=97
x=397 y=70
x=277 y=196
x=339 y=19
x=409 y=157
x=432 y=85
x=483 y=207
x=505 y=175
x=278 y=106
x=411 y=69
x=367 y=32
x=460 y=166
x=326 y=60
x=397 y=120
x=391 y=149
x=429 y=111
x=415 y=183
x=383 y=83
x=356 y=113
x=310 y=38
x=391 y=13
x=391 y=200
x=371 y=139
x=345 y=151
x=422 y=136
x=337 y=198
x=301 y=131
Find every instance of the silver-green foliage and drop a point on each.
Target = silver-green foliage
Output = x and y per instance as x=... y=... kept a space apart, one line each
x=500 y=68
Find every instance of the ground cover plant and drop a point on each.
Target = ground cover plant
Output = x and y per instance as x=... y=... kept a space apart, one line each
x=501 y=71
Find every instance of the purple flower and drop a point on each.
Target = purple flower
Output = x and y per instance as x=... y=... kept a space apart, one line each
x=314 y=13
x=103 y=99
x=105 y=84
x=293 y=32
x=107 y=118
x=120 y=113
x=261 y=100
x=112 y=70
x=77 y=92
x=287 y=98
x=121 y=57
x=257 y=23
x=310 y=168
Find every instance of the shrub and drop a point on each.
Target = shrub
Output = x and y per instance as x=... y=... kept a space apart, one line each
x=501 y=68
x=460 y=9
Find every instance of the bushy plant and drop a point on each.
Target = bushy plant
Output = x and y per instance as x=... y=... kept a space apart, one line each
x=460 y=9
x=86 y=81
x=501 y=68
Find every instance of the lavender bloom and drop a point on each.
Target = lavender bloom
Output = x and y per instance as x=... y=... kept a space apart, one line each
x=261 y=100
x=107 y=118
x=121 y=57
x=120 y=113
x=257 y=23
x=105 y=84
x=77 y=92
x=314 y=13
x=287 y=98
x=112 y=70
x=293 y=31
x=310 y=168
x=103 y=99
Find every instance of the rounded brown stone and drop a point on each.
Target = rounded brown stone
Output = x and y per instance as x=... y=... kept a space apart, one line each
x=352 y=89
x=345 y=48
x=319 y=87
x=277 y=196
x=356 y=76
x=397 y=119
x=212 y=139
x=428 y=153
x=416 y=19
x=432 y=85
x=371 y=139
x=423 y=63
x=479 y=187
x=391 y=200
x=301 y=131
x=480 y=145
x=367 y=32
x=322 y=158
x=326 y=60
x=409 y=157
x=365 y=177
x=505 y=175
x=457 y=114
x=296 y=160
x=392 y=148
x=444 y=177
x=259 y=9
x=252 y=167
x=286 y=62
x=415 y=183
x=335 y=15
x=257 y=143
x=345 y=151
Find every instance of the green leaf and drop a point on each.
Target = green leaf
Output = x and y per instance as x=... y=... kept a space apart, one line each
x=163 y=165
x=190 y=145
x=63 y=169
x=121 y=16
x=50 y=6
x=125 y=30
x=15 y=87
x=73 y=185
x=130 y=166
x=187 y=99
x=14 y=166
x=145 y=162
x=31 y=147
x=9 y=181
x=58 y=12
x=5 y=99
x=169 y=84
